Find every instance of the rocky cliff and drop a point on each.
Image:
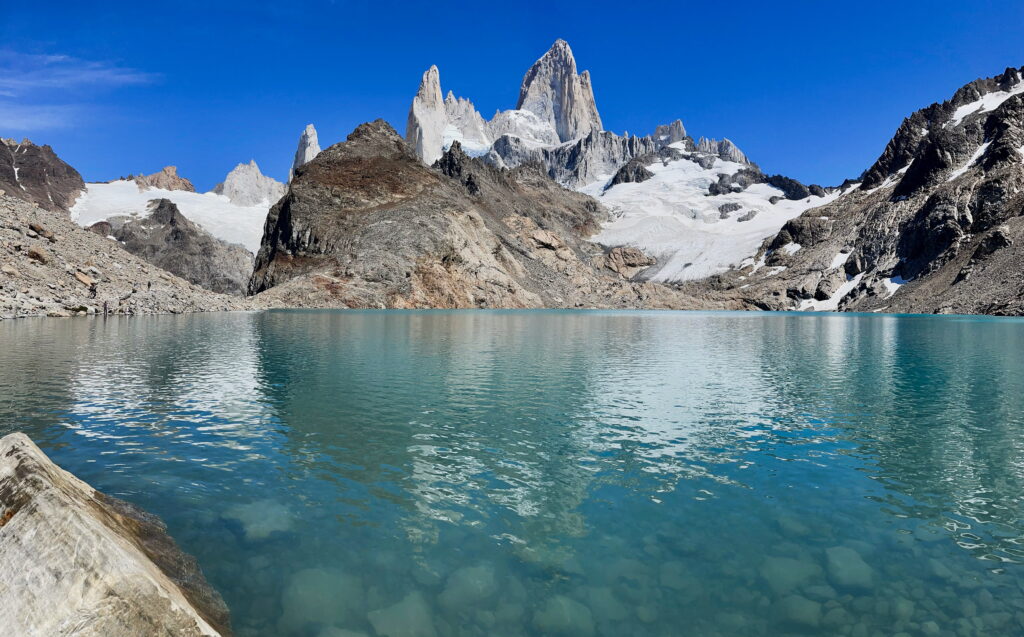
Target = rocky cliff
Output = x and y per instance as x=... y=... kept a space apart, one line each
x=51 y=266
x=366 y=224
x=936 y=224
x=74 y=561
x=166 y=239
x=557 y=94
x=36 y=174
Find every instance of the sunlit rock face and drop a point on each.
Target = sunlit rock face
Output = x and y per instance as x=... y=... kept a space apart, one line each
x=74 y=561
x=246 y=185
x=553 y=90
x=309 y=147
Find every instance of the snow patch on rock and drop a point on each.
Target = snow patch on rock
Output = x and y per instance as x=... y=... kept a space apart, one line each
x=214 y=213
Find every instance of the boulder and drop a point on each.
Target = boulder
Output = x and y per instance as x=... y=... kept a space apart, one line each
x=38 y=254
x=847 y=569
x=75 y=561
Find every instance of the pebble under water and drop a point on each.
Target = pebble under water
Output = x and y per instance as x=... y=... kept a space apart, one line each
x=422 y=474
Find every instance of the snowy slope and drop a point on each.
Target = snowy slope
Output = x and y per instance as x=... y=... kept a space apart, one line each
x=215 y=213
x=987 y=102
x=671 y=217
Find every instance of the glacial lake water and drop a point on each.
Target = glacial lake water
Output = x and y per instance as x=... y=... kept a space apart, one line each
x=422 y=474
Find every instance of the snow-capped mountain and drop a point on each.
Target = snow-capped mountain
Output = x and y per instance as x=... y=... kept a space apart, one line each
x=696 y=212
x=238 y=221
x=245 y=185
x=934 y=225
x=680 y=203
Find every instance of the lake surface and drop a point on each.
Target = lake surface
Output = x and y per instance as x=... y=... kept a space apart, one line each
x=413 y=474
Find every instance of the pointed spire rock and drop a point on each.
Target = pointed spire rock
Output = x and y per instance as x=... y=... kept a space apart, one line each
x=308 y=148
x=425 y=128
x=554 y=91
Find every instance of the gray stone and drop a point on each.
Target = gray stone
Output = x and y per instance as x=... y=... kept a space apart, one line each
x=846 y=568
x=410 y=617
x=783 y=574
x=553 y=90
x=73 y=557
x=800 y=611
x=561 y=615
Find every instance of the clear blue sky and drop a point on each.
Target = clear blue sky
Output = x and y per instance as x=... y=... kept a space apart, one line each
x=812 y=90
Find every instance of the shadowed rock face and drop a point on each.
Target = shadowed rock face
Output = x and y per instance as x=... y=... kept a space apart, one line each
x=170 y=241
x=366 y=224
x=935 y=225
x=73 y=557
x=36 y=174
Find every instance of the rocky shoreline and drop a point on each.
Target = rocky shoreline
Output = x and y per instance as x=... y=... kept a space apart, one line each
x=76 y=561
x=50 y=266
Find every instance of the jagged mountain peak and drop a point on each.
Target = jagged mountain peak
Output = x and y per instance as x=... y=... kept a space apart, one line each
x=36 y=174
x=937 y=139
x=553 y=90
x=430 y=86
x=167 y=178
x=670 y=133
x=246 y=185
x=724 y=149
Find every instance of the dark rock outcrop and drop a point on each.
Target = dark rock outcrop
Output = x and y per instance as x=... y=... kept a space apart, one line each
x=169 y=241
x=36 y=174
x=937 y=223
x=635 y=171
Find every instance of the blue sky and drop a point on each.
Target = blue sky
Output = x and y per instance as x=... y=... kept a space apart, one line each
x=812 y=90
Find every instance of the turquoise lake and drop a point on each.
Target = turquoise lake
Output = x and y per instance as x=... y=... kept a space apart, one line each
x=433 y=474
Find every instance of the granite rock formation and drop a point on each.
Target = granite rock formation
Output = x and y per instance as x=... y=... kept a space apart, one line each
x=557 y=94
x=36 y=174
x=245 y=185
x=166 y=239
x=309 y=147
x=427 y=118
x=74 y=561
x=166 y=179
x=366 y=224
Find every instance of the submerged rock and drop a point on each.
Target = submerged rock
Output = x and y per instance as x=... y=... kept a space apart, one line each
x=76 y=562
x=564 y=616
x=410 y=617
x=847 y=569
x=468 y=586
x=320 y=596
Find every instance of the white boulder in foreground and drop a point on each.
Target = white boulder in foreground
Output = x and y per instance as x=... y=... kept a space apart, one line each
x=76 y=562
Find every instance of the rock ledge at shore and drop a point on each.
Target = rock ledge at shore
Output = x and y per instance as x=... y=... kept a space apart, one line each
x=76 y=562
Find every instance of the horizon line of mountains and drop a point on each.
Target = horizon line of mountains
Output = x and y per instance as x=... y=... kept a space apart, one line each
x=538 y=206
